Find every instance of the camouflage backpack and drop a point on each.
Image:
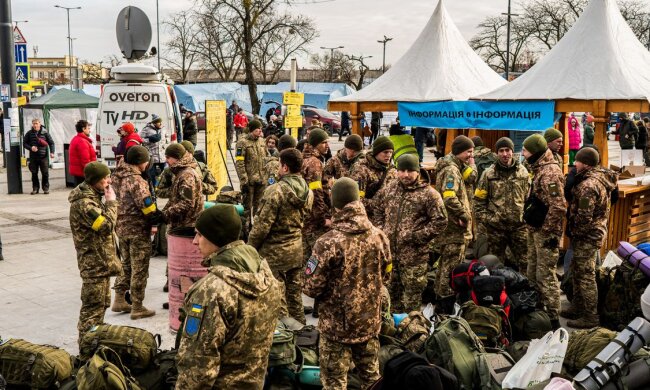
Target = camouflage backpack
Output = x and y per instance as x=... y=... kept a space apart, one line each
x=623 y=286
x=283 y=348
x=35 y=366
x=413 y=331
x=490 y=324
x=584 y=345
x=105 y=371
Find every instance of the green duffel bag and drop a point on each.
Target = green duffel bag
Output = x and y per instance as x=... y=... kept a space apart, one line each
x=32 y=365
x=583 y=347
x=533 y=325
x=162 y=374
x=283 y=348
x=105 y=371
x=136 y=347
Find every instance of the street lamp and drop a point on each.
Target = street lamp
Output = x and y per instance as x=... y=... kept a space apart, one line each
x=331 y=49
x=510 y=15
x=20 y=21
x=69 y=42
x=383 y=62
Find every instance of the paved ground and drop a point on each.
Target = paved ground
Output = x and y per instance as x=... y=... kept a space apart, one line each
x=39 y=279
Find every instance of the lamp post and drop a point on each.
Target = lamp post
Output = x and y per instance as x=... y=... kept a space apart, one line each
x=383 y=62
x=69 y=42
x=158 y=35
x=331 y=49
x=20 y=21
x=510 y=15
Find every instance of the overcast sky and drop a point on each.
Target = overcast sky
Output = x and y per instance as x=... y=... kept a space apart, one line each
x=355 y=24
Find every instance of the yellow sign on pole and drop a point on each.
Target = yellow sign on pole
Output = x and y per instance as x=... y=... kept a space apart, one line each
x=22 y=100
x=215 y=142
x=292 y=122
x=293 y=110
x=294 y=98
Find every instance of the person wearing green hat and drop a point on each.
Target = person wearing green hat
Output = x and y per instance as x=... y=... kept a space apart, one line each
x=544 y=214
x=349 y=265
x=453 y=172
x=231 y=313
x=277 y=232
x=250 y=159
x=587 y=222
x=411 y=213
x=555 y=141
x=499 y=206
x=185 y=199
x=92 y=222
x=374 y=172
x=341 y=164
x=137 y=213
x=151 y=136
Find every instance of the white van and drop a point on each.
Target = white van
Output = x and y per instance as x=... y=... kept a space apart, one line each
x=134 y=95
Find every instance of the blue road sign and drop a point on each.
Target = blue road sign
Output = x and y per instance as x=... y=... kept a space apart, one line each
x=22 y=73
x=20 y=52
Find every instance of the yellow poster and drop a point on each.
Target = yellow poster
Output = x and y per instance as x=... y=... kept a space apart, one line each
x=215 y=142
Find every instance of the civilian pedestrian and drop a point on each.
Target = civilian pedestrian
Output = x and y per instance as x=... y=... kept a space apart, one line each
x=81 y=151
x=38 y=141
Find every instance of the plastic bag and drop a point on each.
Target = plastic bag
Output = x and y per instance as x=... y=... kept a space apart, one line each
x=544 y=357
x=611 y=260
x=559 y=384
x=429 y=312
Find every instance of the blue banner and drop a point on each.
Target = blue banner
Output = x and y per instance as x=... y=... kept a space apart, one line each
x=489 y=115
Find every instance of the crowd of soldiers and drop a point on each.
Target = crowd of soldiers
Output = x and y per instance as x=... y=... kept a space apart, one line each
x=345 y=231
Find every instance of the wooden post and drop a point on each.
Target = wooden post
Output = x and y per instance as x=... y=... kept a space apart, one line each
x=564 y=129
x=472 y=133
x=451 y=134
x=354 y=117
x=601 y=122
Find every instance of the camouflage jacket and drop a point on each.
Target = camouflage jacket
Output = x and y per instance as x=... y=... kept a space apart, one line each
x=208 y=182
x=250 y=158
x=231 y=314
x=368 y=172
x=450 y=182
x=345 y=273
x=276 y=232
x=548 y=187
x=339 y=166
x=92 y=223
x=272 y=170
x=556 y=157
x=411 y=217
x=185 y=199
x=135 y=201
x=312 y=172
x=484 y=158
x=500 y=196
x=589 y=213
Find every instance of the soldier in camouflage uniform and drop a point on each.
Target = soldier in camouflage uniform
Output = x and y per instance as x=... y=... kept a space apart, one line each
x=451 y=173
x=588 y=224
x=545 y=210
x=555 y=141
x=208 y=182
x=230 y=313
x=346 y=271
x=411 y=213
x=250 y=158
x=373 y=173
x=185 y=200
x=499 y=205
x=341 y=164
x=272 y=166
x=277 y=235
x=136 y=214
x=92 y=222
x=484 y=157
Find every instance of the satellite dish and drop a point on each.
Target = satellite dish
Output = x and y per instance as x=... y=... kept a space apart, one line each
x=133 y=32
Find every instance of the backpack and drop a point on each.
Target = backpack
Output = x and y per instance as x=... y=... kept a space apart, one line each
x=490 y=324
x=623 y=285
x=584 y=345
x=410 y=371
x=514 y=281
x=490 y=290
x=36 y=366
x=523 y=302
x=484 y=161
x=533 y=325
x=462 y=276
x=454 y=347
x=413 y=331
x=496 y=363
x=105 y=371
x=136 y=347
x=283 y=348
x=162 y=374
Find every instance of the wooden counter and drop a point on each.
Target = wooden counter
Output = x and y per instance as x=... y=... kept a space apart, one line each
x=629 y=218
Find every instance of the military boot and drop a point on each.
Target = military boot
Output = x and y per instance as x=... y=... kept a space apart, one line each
x=584 y=322
x=119 y=304
x=140 y=311
x=570 y=313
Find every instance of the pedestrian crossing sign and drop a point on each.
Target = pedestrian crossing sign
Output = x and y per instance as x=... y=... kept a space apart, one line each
x=22 y=74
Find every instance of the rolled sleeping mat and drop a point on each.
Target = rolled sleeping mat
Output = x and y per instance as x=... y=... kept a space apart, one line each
x=637 y=377
x=610 y=362
x=238 y=207
x=645 y=303
x=634 y=256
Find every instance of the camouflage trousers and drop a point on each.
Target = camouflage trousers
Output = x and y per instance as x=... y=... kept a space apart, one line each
x=95 y=299
x=406 y=286
x=542 y=258
x=135 y=252
x=583 y=273
x=291 y=282
x=516 y=239
x=450 y=256
x=252 y=200
x=336 y=359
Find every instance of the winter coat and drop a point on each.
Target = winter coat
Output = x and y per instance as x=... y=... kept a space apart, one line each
x=131 y=140
x=450 y=182
x=628 y=133
x=590 y=204
x=575 y=136
x=81 y=152
x=240 y=120
x=32 y=137
x=151 y=137
x=642 y=141
x=589 y=134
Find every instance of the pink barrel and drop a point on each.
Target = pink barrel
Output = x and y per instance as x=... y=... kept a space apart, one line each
x=184 y=261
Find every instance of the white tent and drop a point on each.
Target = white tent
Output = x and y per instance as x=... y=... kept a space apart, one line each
x=598 y=58
x=439 y=66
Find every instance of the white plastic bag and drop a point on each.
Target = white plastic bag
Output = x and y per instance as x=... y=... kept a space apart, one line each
x=544 y=357
x=611 y=260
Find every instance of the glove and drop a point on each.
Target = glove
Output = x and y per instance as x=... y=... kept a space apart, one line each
x=551 y=243
x=156 y=218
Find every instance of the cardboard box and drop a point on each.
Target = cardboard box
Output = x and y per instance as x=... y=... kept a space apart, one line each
x=629 y=171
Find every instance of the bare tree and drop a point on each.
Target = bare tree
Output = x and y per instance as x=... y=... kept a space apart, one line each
x=181 y=50
x=635 y=13
x=347 y=68
x=490 y=42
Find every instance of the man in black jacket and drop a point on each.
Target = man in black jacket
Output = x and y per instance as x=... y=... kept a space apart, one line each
x=37 y=141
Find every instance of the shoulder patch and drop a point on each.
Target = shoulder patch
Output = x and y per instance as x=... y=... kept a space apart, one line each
x=312 y=264
x=450 y=182
x=584 y=203
x=93 y=214
x=553 y=189
x=186 y=193
x=193 y=320
x=239 y=154
x=272 y=180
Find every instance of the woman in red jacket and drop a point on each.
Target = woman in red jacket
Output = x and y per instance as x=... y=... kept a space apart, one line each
x=81 y=151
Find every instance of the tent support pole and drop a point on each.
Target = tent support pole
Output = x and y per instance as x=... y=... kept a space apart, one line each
x=354 y=116
x=451 y=134
x=601 y=120
x=564 y=129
